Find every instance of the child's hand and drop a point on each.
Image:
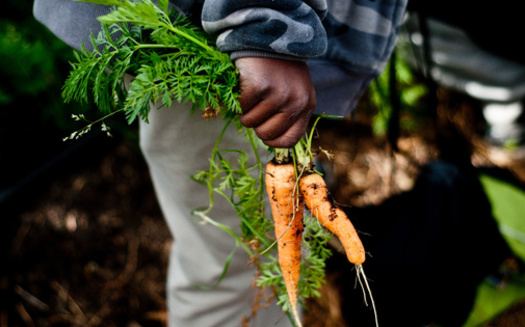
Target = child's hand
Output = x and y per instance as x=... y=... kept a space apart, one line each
x=277 y=99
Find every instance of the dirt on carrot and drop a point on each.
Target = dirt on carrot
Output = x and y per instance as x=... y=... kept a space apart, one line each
x=287 y=212
x=318 y=200
x=322 y=206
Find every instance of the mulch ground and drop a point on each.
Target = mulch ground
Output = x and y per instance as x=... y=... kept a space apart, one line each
x=86 y=245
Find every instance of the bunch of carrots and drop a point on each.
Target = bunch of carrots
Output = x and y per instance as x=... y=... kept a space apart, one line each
x=174 y=61
x=292 y=184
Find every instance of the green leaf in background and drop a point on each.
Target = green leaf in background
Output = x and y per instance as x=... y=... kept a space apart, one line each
x=411 y=93
x=508 y=209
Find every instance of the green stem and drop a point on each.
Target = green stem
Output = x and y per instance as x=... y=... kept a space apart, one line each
x=302 y=156
x=281 y=155
x=225 y=228
x=198 y=42
x=254 y=146
x=155 y=46
x=209 y=183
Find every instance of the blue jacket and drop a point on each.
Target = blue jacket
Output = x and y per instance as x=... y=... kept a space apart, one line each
x=346 y=43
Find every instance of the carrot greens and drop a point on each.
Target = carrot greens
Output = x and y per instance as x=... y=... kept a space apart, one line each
x=148 y=54
x=170 y=59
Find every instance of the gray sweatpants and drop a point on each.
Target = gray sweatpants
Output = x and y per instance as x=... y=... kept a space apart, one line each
x=176 y=145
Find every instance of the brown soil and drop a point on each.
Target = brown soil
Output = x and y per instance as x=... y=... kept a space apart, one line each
x=89 y=246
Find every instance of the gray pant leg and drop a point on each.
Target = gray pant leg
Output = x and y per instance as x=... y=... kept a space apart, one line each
x=176 y=145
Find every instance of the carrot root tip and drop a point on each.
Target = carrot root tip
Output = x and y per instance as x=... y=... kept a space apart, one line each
x=363 y=281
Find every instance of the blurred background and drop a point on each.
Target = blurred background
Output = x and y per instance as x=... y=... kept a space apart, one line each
x=83 y=242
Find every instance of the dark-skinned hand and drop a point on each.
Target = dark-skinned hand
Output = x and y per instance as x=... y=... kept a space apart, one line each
x=277 y=99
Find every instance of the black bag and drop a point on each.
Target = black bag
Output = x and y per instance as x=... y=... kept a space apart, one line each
x=429 y=250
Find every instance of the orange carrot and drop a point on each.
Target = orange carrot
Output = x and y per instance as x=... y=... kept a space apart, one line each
x=287 y=212
x=321 y=204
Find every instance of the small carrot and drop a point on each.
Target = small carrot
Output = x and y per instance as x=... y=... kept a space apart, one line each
x=322 y=206
x=287 y=212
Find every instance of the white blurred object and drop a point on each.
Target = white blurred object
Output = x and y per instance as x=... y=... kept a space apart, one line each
x=459 y=64
x=502 y=119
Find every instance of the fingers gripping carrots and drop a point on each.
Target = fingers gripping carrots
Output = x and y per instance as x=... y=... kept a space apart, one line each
x=287 y=211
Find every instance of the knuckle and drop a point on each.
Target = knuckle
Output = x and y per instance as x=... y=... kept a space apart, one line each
x=287 y=142
x=282 y=142
x=264 y=135
x=259 y=86
x=246 y=121
x=301 y=100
